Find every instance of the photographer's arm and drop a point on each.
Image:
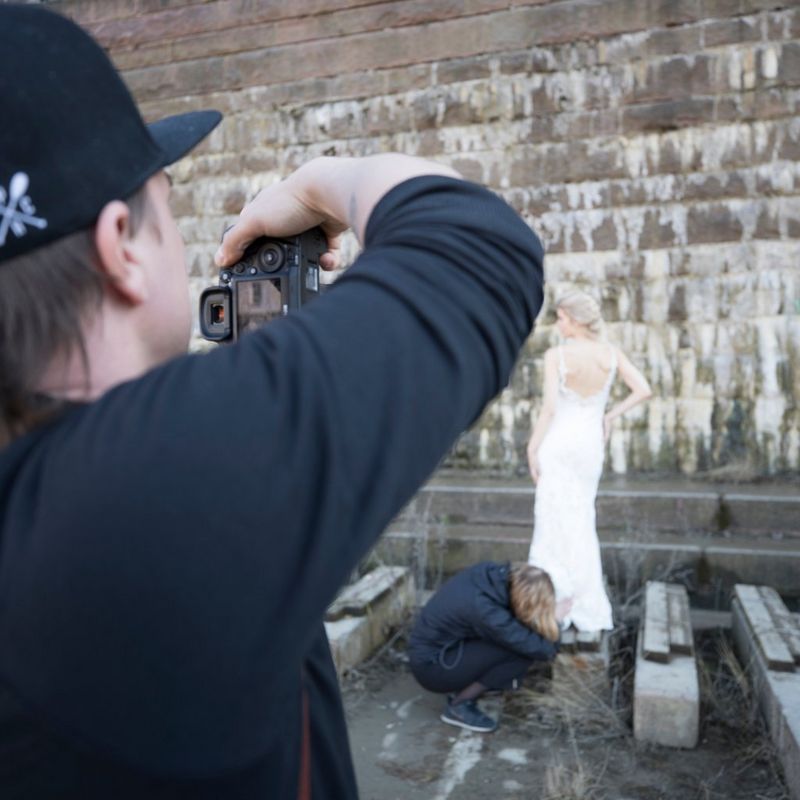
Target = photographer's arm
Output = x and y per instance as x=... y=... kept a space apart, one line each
x=335 y=193
x=265 y=470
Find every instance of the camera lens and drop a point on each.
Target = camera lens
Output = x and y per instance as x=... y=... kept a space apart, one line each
x=271 y=257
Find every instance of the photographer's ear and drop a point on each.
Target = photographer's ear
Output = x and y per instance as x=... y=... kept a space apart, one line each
x=120 y=254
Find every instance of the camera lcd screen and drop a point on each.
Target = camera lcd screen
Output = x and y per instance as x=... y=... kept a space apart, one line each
x=257 y=302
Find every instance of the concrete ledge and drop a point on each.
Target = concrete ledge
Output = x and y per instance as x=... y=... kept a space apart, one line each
x=766 y=638
x=666 y=691
x=361 y=618
x=628 y=559
x=671 y=506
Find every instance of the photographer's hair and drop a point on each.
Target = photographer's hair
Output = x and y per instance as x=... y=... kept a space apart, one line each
x=533 y=599
x=582 y=308
x=45 y=297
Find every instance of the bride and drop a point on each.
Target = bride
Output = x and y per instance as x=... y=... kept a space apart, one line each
x=565 y=455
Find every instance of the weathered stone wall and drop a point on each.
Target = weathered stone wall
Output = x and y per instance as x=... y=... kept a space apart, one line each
x=653 y=144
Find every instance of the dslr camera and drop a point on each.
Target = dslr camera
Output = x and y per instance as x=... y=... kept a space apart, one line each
x=273 y=278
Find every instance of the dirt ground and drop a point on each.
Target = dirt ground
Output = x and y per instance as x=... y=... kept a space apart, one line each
x=557 y=740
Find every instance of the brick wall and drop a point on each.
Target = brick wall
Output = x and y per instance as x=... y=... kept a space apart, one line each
x=653 y=144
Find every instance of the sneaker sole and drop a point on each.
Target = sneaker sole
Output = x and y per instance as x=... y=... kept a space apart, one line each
x=458 y=724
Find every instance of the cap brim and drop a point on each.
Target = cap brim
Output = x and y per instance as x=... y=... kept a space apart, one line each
x=177 y=135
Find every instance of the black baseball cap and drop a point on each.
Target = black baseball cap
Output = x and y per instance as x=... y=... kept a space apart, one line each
x=71 y=137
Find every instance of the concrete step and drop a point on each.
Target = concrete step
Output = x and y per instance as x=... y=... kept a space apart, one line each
x=664 y=506
x=709 y=564
x=360 y=619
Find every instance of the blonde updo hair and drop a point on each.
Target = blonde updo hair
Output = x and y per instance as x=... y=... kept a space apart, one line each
x=583 y=309
x=533 y=599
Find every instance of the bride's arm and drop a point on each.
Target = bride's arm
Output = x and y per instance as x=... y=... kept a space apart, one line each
x=546 y=414
x=636 y=382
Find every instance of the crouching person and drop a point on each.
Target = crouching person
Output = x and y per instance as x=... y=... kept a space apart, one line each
x=481 y=631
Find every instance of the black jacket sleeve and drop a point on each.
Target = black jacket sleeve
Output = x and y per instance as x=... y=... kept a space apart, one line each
x=184 y=534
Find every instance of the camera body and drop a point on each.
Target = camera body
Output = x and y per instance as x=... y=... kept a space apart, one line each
x=274 y=277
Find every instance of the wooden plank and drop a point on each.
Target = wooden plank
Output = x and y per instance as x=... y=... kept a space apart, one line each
x=680 y=626
x=655 y=644
x=770 y=642
x=355 y=600
x=589 y=641
x=784 y=620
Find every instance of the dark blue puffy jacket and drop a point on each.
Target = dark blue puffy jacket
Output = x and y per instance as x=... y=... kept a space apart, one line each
x=474 y=604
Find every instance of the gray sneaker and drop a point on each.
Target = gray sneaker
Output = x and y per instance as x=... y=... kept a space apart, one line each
x=467 y=715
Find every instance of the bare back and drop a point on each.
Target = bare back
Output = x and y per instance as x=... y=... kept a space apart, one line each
x=588 y=366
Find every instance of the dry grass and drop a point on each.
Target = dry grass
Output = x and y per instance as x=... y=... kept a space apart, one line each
x=572 y=705
x=564 y=782
x=730 y=705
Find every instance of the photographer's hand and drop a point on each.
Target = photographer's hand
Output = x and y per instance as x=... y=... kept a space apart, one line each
x=334 y=193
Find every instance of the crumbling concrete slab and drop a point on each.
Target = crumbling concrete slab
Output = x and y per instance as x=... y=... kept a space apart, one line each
x=666 y=694
x=362 y=616
x=767 y=638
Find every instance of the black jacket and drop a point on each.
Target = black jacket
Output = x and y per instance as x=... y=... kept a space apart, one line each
x=473 y=605
x=168 y=551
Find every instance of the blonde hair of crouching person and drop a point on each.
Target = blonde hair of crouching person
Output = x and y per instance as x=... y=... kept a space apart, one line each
x=481 y=631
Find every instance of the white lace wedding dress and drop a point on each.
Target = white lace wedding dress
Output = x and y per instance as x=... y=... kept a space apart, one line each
x=564 y=533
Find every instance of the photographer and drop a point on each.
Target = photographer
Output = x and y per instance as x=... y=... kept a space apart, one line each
x=173 y=527
x=481 y=632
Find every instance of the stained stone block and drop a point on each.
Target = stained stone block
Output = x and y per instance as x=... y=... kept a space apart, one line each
x=767 y=638
x=359 y=620
x=666 y=693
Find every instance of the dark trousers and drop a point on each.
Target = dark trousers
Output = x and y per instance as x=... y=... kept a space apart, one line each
x=486 y=662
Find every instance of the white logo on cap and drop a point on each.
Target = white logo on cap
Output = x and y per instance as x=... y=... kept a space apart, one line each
x=16 y=209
